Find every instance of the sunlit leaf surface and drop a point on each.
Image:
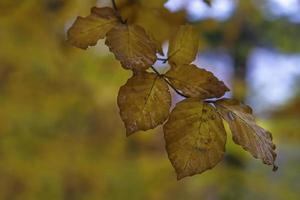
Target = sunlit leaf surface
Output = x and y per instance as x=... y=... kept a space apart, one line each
x=144 y=102
x=195 y=137
x=196 y=82
x=183 y=45
x=132 y=46
x=246 y=132
x=86 y=31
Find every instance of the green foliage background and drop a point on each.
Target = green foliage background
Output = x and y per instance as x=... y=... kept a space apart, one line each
x=61 y=136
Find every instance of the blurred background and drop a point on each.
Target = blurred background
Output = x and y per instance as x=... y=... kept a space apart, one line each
x=61 y=136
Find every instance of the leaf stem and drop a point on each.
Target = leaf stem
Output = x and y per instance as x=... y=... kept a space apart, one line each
x=164 y=60
x=168 y=82
x=155 y=70
x=118 y=12
x=210 y=101
x=115 y=5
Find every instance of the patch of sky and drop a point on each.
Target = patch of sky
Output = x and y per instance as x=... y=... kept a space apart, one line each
x=272 y=77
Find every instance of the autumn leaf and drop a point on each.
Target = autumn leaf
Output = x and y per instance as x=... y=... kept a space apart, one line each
x=86 y=31
x=195 y=82
x=153 y=3
x=194 y=133
x=157 y=44
x=157 y=20
x=195 y=137
x=246 y=132
x=132 y=46
x=183 y=46
x=144 y=102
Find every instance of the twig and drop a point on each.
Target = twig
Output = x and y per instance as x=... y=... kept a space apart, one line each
x=118 y=12
x=115 y=5
x=168 y=82
x=210 y=101
x=164 y=60
x=155 y=70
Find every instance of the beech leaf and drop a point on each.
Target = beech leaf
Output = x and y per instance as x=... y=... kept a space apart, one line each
x=195 y=82
x=132 y=46
x=195 y=137
x=184 y=45
x=144 y=102
x=246 y=132
x=86 y=31
x=158 y=45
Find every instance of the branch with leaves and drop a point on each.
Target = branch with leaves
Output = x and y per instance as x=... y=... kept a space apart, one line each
x=194 y=132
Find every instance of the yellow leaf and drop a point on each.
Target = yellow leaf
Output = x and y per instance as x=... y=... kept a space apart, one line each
x=195 y=137
x=183 y=46
x=86 y=31
x=150 y=16
x=153 y=3
x=195 y=82
x=158 y=45
x=246 y=132
x=132 y=46
x=144 y=102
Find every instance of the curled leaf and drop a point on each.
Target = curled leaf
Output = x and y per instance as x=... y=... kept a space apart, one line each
x=195 y=137
x=184 y=45
x=144 y=102
x=195 y=82
x=246 y=132
x=86 y=31
x=132 y=46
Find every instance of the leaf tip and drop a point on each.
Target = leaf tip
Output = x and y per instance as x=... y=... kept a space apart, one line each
x=180 y=176
x=129 y=132
x=275 y=168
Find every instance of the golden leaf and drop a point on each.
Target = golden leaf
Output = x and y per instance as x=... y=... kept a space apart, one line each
x=86 y=31
x=195 y=82
x=246 y=132
x=195 y=137
x=157 y=44
x=132 y=46
x=144 y=102
x=183 y=46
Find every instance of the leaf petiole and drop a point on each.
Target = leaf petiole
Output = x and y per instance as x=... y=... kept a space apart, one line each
x=168 y=82
x=118 y=12
x=164 y=60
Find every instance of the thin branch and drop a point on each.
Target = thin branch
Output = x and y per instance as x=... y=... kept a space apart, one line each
x=115 y=5
x=155 y=70
x=177 y=91
x=118 y=12
x=210 y=101
x=164 y=60
x=168 y=82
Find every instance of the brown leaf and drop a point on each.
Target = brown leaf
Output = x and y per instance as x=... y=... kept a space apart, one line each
x=132 y=46
x=158 y=45
x=183 y=46
x=144 y=102
x=195 y=82
x=195 y=137
x=86 y=31
x=246 y=132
